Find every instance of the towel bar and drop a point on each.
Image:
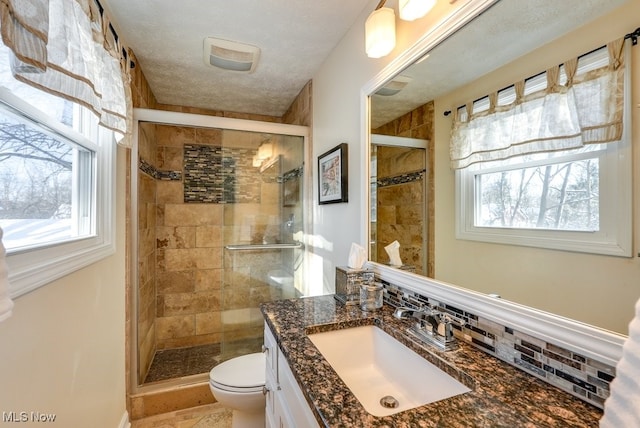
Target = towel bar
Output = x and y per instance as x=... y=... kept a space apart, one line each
x=249 y=247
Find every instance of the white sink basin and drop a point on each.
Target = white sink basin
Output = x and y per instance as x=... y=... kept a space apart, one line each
x=374 y=365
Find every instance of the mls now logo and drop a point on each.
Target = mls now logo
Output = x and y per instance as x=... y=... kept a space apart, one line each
x=27 y=417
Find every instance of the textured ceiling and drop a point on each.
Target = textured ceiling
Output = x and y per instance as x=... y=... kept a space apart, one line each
x=506 y=31
x=295 y=37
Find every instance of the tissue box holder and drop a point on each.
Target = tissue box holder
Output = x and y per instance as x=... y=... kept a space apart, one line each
x=348 y=283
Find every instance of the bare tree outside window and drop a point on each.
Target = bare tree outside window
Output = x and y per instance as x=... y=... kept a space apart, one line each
x=561 y=196
x=35 y=172
x=36 y=181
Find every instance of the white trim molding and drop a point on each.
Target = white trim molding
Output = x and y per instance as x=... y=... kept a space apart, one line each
x=189 y=119
x=124 y=421
x=593 y=342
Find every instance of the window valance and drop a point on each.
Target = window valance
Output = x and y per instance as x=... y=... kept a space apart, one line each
x=585 y=108
x=64 y=47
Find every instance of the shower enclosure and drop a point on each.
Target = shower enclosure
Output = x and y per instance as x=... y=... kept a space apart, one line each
x=219 y=229
x=398 y=194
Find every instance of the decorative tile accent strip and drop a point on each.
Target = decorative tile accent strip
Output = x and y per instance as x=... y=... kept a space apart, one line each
x=170 y=175
x=151 y=171
x=294 y=173
x=147 y=168
x=576 y=374
x=222 y=175
x=400 y=179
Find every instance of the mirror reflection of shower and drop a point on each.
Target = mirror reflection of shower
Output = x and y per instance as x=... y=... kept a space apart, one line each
x=220 y=214
x=398 y=186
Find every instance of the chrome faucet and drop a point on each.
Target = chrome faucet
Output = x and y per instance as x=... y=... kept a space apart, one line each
x=404 y=312
x=432 y=325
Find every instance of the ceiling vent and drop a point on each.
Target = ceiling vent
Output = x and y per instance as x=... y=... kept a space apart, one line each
x=230 y=55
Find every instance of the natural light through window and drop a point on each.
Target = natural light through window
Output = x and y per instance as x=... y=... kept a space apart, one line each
x=575 y=201
x=56 y=184
x=560 y=193
x=547 y=162
x=46 y=183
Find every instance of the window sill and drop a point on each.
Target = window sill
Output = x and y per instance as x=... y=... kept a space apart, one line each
x=581 y=242
x=31 y=270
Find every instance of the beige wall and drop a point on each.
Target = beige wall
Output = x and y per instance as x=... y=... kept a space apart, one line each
x=595 y=289
x=63 y=350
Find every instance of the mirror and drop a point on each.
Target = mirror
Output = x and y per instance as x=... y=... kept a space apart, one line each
x=491 y=52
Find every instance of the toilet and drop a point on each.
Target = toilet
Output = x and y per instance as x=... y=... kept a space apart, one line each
x=238 y=385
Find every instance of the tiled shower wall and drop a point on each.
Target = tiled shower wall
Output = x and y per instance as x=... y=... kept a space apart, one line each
x=418 y=123
x=581 y=376
x=215 y=202
x=401 y=204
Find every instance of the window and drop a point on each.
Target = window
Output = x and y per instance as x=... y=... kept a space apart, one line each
x=46 y=183
x=56 y=185
x=575 y=199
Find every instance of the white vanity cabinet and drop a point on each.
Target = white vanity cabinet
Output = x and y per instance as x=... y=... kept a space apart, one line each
x=286 y=406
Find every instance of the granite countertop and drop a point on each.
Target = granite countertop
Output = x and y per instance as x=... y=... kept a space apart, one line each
x=501 y=395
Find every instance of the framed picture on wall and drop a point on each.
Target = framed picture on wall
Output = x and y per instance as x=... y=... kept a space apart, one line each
x=332 y=175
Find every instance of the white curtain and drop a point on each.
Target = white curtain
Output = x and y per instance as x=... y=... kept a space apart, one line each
x=25 y=29
x=586 y=109
x=6 y=304
x=64 y=47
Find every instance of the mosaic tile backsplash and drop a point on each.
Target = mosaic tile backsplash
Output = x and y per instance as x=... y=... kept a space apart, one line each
x=576 y=374
x=214 y=174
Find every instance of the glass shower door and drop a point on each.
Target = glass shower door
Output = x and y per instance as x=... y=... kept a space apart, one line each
x=262 y=222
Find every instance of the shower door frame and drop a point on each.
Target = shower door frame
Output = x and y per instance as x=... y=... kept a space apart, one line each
x=162 y=117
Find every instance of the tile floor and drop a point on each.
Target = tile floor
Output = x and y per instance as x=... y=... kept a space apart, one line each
x=175 y=363
x=209 y=416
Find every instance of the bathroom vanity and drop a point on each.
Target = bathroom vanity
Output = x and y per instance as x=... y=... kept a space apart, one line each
x=303 y=389
x=286 y=405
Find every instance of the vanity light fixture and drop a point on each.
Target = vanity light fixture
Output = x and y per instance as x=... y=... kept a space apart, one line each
x=410 y=10
x=380 y=31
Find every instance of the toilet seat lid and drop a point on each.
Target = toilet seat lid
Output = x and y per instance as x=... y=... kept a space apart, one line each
x=246 y=371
